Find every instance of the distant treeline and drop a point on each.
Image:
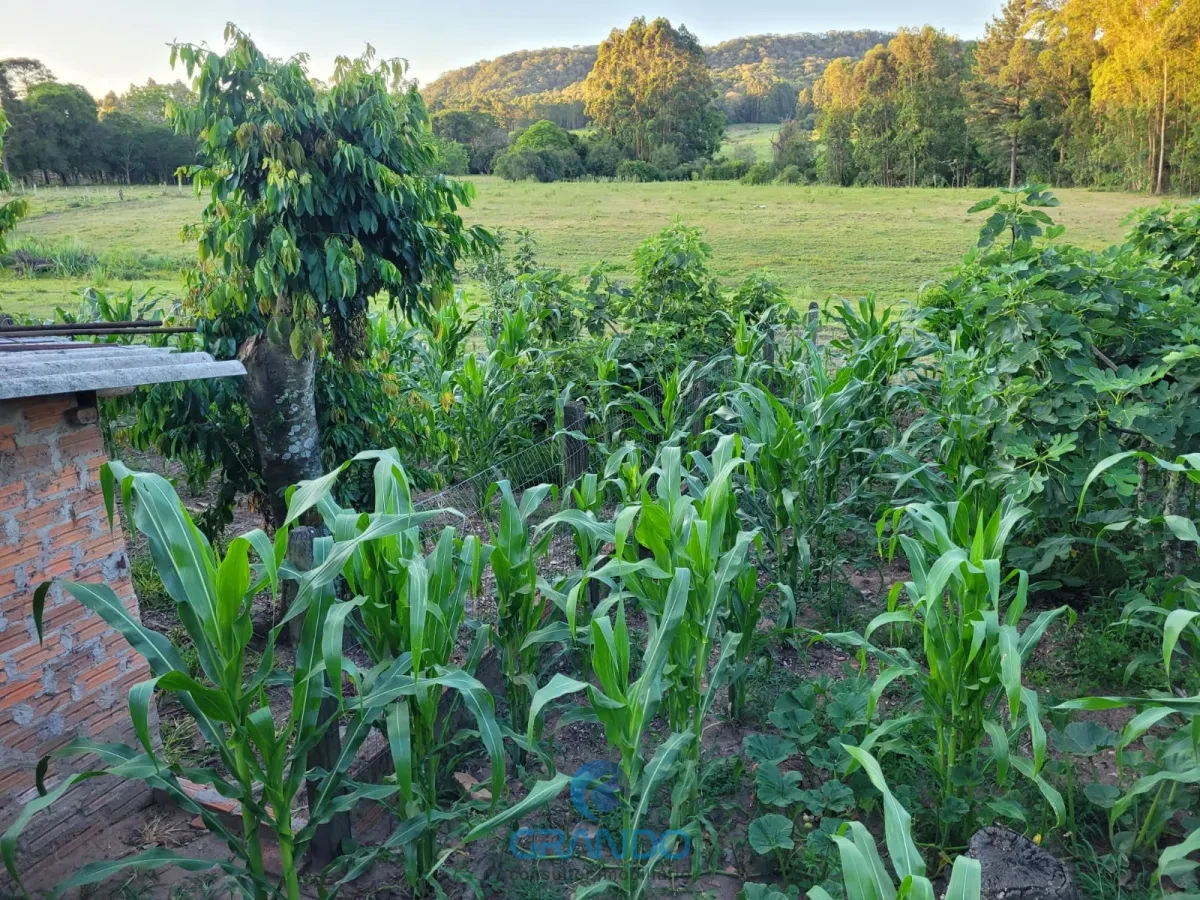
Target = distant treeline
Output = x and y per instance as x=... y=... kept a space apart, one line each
x=757 y=78
x=1098 y=93
x=59 y=133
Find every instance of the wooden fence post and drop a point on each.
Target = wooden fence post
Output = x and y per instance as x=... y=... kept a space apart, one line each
x=575 y=450
x=814 y=320
x=327 y=843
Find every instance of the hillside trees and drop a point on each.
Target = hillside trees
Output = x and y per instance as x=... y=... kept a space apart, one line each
x=313 y=209
x=650 y=87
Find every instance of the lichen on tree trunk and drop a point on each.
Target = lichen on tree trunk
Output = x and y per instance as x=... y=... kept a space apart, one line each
x=280 y=395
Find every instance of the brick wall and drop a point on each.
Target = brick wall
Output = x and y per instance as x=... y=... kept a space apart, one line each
x=75 y=683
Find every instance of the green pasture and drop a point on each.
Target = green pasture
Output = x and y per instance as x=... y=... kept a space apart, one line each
x=818 y=241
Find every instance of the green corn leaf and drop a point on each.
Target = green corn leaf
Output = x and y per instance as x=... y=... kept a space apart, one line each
x=596 y=889
x=155 y=858
x=884 y=889
x=1173 y=628
x=331 y=640
x=399 y=733
x=657 y=771
x=897 y=823
x=1051 y=795
x=558 y=686
x=541 y=794
x=1010 y=669
x=999 y=748
x=8 y=843
x=965 y=879
x=1149 y=783
x=1174 y=854
x=857 y=873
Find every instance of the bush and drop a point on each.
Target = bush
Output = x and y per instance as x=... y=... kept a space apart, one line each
x=522 y=164
x=725 y=170
x=759 y=173
x=603 y=156
x=452 y=158
x=543 y=135
x=665 y=158
x=636 y=170
x=791 y=175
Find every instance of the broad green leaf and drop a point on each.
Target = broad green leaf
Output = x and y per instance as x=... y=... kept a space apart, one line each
x=770 y=833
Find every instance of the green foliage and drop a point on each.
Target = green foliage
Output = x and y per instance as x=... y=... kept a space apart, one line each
x=759 y=173
x=340 y=222
x=450 y=158
x=636 y=170
x=650 y=88
x=966 y=613
x=10 y=210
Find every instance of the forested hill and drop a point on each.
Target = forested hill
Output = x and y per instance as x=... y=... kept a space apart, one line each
x=757 y=77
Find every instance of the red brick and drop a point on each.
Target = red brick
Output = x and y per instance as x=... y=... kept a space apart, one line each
x=100 y=548
x=40 y=515
x=88 y=629
x=34 y=654
x=12 y=496
x=27 y=551
x=20 y=692
x=8 y=438
x=51 y=484
x=47 y=413
x=14 y=637
x=107 y=671
x=80 y=442
x=13 y=780
x=28 y=460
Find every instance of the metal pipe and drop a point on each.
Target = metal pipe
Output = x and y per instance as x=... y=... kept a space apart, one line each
x=78 y=327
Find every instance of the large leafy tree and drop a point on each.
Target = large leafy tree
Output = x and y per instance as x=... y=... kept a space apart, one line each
x=317 y=204
x=650 y=87
x=10 y=210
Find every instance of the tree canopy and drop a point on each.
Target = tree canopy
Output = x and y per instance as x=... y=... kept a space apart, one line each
x=650 y=87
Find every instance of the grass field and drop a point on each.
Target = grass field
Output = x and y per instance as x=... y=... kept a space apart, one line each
x=817 y=241
x=756 y=137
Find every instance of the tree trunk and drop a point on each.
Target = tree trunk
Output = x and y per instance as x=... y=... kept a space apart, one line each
x=1162 y=133
x=1012 y=162
x=283 y=415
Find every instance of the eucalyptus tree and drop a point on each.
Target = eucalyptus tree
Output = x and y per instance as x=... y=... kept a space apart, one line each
x=317 y=204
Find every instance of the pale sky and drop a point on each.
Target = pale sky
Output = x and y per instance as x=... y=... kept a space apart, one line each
x=108 y=45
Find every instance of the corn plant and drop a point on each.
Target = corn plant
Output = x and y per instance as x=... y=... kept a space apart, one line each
x=966 y=613
x=863 y=871
x=1168 y=769
x=626 y=708
x=407 y=609
x=689 y=522
x=229 y=704
x=522 y=609
x=668 y=410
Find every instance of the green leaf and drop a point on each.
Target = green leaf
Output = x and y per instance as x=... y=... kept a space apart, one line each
x=776 y=788
x=1174 y=854
x=857 y=873
x=965 y=880
x=762 y=748
x=770 y=833
x=897 y=823
x=541 y=794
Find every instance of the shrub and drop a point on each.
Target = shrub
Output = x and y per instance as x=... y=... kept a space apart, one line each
x=759 y=173
x=451 y=158
x=603 y=156
x=725 y=170
x=791 y=175
x=522 y=164
x=636 y=170
x=665 y=158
